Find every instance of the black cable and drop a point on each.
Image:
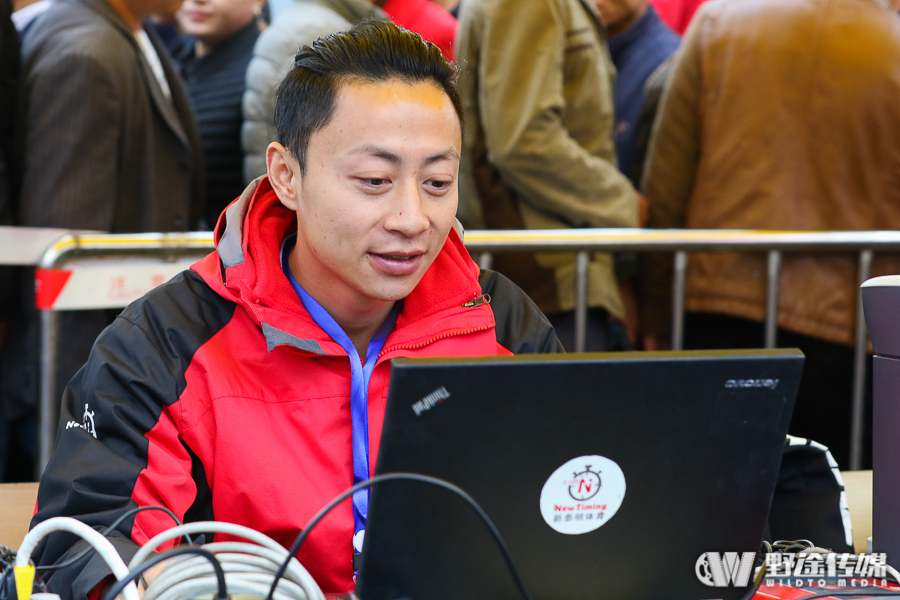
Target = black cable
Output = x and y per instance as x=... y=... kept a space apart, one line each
x=377 y=479
x=759 y=577
x=4 y=578
x=7 y=560
x=106 y=531
x=789 y=543
x=217 y=567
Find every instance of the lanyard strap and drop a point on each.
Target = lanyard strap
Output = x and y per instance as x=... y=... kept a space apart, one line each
x=359 y=387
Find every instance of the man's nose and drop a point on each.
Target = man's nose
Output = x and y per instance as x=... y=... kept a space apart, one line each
x=407 y=214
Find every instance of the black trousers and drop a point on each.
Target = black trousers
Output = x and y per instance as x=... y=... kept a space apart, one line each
x=824 y=403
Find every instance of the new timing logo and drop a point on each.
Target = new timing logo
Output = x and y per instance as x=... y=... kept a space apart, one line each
x=582 y=495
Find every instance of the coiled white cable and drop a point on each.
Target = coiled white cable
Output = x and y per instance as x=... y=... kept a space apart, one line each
x=251 y=557
x=102 y=545
x=249 y=568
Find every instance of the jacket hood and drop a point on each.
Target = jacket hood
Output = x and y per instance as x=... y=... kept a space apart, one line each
x=246 y=269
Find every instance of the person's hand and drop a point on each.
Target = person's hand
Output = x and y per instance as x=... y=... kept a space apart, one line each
x=657 y=342
x=643 y=209
x=632 y=321
x=149 y=576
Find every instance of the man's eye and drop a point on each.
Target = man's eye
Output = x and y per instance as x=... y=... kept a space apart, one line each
x=375 y=182
x=440 y=185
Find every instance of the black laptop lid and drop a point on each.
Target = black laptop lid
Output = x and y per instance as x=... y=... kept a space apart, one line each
x=608 y=475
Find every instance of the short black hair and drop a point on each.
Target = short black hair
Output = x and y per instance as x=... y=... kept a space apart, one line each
x=371 y=51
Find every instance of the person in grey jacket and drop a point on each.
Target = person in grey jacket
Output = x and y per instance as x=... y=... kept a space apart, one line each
x=303 y=22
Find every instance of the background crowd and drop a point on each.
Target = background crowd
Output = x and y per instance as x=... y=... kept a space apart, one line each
x=129 y=116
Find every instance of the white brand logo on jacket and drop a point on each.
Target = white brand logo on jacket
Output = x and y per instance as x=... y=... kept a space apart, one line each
x=87 y=422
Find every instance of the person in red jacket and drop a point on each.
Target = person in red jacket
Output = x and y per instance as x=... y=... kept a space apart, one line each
x=242 y=390
x=430 y=20
x=677 y=14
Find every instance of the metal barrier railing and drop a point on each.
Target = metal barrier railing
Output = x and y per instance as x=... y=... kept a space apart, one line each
x=165 y=254
x=24 y=246
x=174 y=248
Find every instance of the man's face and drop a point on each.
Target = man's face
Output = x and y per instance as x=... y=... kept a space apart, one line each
x=214 y=21
x=616 y=13
x=378 y=197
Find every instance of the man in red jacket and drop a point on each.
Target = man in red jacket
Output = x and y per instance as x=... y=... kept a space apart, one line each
x=251 y=388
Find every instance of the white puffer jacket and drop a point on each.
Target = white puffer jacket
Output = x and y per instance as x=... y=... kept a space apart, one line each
x=303 y=22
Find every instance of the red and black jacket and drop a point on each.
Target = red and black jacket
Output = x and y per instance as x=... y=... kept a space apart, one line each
x=217 y=396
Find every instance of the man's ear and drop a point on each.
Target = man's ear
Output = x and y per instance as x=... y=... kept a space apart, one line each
x=284 y=172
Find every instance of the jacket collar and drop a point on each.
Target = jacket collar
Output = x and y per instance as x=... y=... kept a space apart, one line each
x=637 y=33
x=162 y=104
x=594 y=17
x=248 y=242
x=105 y=10
x=167 y=109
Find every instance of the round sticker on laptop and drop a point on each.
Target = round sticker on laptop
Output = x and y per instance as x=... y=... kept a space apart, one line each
x=582 y=495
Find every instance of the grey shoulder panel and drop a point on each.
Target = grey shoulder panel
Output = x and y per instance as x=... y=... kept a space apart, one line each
x=276 y=337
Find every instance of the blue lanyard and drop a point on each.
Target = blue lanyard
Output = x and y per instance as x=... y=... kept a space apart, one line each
x=359 y=386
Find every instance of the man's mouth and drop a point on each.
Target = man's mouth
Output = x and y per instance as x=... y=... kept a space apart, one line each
x=398 y=256
x=404 y=263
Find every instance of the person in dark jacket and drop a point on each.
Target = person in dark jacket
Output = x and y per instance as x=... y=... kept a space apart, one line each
x=639 y=42
x=347 y=249
x=108 y=144
x=213 y=57
x=9 y=276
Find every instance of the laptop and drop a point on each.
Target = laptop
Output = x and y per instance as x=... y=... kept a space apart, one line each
x=608 y=475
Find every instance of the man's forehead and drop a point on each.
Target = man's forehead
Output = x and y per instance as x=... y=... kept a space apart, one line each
x=389 y=89
x=368 y=105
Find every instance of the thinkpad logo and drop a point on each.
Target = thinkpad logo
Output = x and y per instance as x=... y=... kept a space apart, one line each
x=428 y=402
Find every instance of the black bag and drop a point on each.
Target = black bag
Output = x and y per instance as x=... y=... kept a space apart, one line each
x=809 y=502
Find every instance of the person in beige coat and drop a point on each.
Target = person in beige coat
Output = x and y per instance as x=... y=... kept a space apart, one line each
x=780 y=114
x=538 y=153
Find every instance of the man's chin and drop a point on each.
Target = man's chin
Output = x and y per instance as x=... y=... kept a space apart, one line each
x=398 y=288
